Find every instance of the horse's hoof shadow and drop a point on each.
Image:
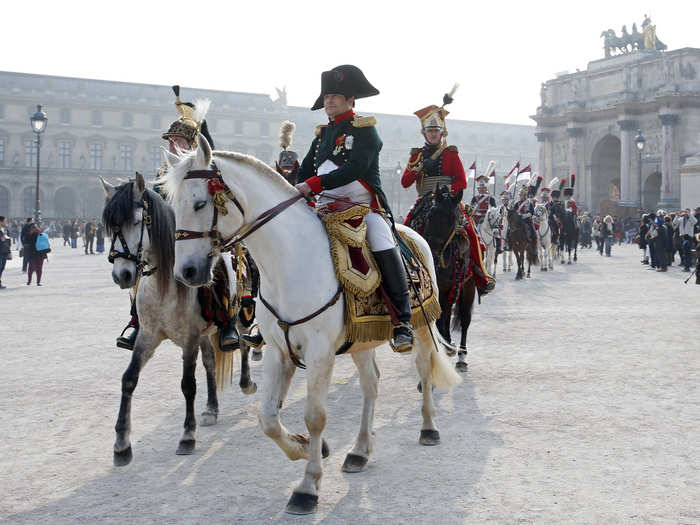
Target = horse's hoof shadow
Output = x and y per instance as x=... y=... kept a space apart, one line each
x=123 y=457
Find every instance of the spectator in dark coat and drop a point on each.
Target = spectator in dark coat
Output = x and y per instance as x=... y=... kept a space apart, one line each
x=5 y=247
x=668 y=226
x=660 y=245
x=25 y=240
x=36 y=257
x=643 y=243
x=66 y=233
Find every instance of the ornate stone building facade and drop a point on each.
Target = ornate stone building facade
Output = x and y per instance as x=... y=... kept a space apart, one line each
x=588 y=121
x=111 y=129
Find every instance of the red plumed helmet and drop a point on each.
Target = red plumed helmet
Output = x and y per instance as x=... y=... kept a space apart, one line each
x=573 y=180
x=562 y=183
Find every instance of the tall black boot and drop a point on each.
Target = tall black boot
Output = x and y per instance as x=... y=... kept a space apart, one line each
x=229 y=340
x=396 y=286
x=131 y=330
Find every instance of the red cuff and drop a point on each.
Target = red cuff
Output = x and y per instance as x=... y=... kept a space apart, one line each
x=314 y=183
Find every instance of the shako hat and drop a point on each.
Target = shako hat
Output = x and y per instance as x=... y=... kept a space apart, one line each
x=568 y=192
x=191 y=121
x=288 y=159
x=346 y=80
x=433 y=117
x=556 y=186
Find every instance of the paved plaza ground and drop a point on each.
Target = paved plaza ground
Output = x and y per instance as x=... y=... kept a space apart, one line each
x=581 y=405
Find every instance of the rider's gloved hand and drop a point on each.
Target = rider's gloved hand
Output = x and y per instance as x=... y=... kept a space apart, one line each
x=305 y=190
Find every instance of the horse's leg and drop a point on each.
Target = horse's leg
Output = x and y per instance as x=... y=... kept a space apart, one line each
x=519 y=255
x=189 y=390
x=429 y=434
x=144 y=347
x=356 y=460
x=211 y=413
x=246 y=384
x=304 y=499
x=467 y=303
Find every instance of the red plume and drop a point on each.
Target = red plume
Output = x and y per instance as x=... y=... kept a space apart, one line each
x=573 y=180
x=562 y=183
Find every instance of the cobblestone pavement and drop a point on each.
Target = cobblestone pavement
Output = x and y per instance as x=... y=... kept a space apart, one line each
x=581 y=405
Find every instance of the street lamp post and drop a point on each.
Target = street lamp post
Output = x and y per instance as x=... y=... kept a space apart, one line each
x=38 y=122
x=399 y=171
x=639 y=142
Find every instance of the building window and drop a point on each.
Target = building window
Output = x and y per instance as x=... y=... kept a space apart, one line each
x=127 y=120
x=2 y=152
x=96 y=156
x=96 y=118
x=155 y=122
x=264 y=129
x=238 y=127
x=30 y=153
x=125 y=157
x=64 y=149
x=155 y=158
x=65 y=116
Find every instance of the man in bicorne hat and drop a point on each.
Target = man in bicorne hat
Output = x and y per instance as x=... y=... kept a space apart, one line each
x=435 y=165
x=343 y=162
x=181 y=136
x=482 y=201
x=570 y=202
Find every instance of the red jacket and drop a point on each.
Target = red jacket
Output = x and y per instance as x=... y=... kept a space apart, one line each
x=451 y=167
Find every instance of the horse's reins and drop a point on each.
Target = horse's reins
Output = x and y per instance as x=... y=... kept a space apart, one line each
x=126 y=254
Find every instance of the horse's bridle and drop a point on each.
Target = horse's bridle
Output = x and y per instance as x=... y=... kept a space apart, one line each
x=540 y=217
x=126 y=254
x=218 y=243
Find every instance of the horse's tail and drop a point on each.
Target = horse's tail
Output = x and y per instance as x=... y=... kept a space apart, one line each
x=443 y=373
x=224 y=364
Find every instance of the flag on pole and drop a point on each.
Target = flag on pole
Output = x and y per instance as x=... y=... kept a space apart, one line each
x=524 y=174
x=472 y=171
x=512 y=175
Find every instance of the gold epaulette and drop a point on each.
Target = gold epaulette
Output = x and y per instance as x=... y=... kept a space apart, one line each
x=317 y=132
x=363 y=122
x=415 y=151
x=453 y=148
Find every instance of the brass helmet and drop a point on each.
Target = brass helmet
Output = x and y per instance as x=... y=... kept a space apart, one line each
x=188 y=126
x=433 y=117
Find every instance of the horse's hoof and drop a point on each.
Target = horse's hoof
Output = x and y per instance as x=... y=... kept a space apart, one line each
x=354 y=463
x=429 y=438
x=250 y=389
x=325 y=450
x=256 y=355
x=568 y=262
x=461 y=366
x=301 y=503
x=186 y=447
x=544 y=269
x=123 y=457
x=208 y=418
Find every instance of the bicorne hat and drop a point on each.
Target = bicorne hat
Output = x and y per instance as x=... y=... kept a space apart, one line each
x=346 y=80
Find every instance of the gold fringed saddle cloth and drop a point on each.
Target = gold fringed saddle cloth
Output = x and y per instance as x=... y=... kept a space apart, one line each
x=366 y=315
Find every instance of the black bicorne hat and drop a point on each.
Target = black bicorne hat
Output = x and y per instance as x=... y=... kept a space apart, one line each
x=345 y=80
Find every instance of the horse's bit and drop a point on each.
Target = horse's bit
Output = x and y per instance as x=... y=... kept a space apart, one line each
x=126 y=254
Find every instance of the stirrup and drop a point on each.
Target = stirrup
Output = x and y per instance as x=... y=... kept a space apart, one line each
x=229 y=339
x=254 y=341
x=402 y=341
x=127 y=342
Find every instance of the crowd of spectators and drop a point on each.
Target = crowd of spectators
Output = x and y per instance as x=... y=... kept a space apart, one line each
x=662 y=235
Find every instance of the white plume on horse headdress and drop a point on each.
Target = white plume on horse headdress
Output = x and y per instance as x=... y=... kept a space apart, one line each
x=286 y=133
x=201 y=108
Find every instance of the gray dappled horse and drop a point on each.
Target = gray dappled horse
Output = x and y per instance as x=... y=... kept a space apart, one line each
x=144 y=236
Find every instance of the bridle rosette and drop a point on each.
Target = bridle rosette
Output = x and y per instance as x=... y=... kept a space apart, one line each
x=219 y=193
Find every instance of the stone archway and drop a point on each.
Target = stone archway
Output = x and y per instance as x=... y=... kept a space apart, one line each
x=652 y=191
x=29 y=200
x=65 y=203
x=605 y=171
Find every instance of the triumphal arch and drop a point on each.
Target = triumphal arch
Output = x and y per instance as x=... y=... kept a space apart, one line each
x=589 y=123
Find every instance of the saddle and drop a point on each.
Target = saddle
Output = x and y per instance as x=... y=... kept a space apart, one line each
x=367 y=314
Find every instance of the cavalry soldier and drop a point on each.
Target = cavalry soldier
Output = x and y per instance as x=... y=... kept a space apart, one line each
x=570 y=203
x=181 y=136
x=544 y=197
x=343 y=163
x=524 y=205
x=287 y=164
x=437 y=164
x=483 y=200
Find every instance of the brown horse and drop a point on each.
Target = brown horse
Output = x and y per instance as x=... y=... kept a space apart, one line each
x=451 y=255
x=517 y=233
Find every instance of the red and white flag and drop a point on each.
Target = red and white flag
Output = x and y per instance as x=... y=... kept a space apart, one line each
x=524 y=174
x=472 y=171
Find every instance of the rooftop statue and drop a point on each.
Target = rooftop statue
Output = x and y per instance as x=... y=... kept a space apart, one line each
x=629 y=42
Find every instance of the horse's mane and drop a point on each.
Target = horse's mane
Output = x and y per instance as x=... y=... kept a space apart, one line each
x=174 y=177
x=119 y=211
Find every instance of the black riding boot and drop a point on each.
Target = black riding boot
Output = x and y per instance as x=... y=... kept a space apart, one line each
x=131 y=330
x=396 y=286
x=229 y=340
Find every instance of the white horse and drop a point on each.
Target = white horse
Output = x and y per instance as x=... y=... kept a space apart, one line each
x=166 y=309
x=299 y=308
x=489 y=231
x=505 y=245
x=544 y=237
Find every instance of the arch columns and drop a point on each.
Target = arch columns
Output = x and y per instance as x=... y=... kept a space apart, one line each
x=627 y=148
x=574 y=133
x=670 y=185
x=544 y=157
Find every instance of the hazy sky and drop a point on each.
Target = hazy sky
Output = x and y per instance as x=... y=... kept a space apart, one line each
x=499 y=51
